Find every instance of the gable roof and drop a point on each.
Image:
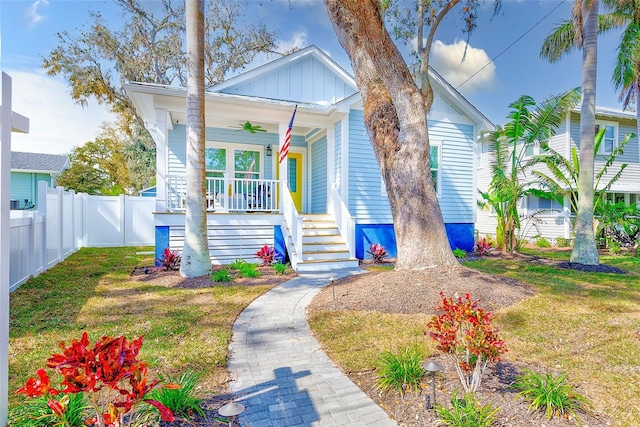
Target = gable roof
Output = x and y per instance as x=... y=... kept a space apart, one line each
x=38 y=162
x=307 y=76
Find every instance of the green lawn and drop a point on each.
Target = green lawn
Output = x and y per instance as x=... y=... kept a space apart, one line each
x=184 y=329
x=585 y=325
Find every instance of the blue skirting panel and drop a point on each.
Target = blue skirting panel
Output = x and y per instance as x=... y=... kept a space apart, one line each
x=162 y=242
x=279 y=244
x=460 y=236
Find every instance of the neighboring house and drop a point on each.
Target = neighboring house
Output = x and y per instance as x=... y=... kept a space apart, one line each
x=334 y=203
x=27 y=169
x=553 y=219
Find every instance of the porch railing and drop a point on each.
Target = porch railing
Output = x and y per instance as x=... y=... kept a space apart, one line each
x=345 y=222
x=292 y=222
x=225 y=194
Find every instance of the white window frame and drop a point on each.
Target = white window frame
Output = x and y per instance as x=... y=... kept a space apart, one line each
x=231 y=147
x=615 y=136
x=438 y=145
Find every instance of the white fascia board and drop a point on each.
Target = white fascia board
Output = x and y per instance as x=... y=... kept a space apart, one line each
x=459 y=101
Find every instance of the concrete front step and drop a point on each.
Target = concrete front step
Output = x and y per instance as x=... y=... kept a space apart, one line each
x=326 y=265
x=308 y=255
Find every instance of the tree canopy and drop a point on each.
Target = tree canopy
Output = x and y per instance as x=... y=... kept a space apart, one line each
x=149 y=47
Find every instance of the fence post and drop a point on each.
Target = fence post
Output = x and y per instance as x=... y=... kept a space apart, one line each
x=42 y=211
x=72 y=193
x=85 y=220
x=31 y=244
x=123 y=228
x=60 y=222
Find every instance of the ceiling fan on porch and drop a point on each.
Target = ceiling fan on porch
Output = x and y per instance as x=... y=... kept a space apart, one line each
x=247 y=126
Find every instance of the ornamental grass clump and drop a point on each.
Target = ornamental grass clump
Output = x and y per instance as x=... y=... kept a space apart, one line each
x=551 y=393
x=464 y=332
x=109 y=375
x=402 y=370
x=466 y=412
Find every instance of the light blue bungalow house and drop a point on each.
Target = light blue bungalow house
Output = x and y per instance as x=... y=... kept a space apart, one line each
x=326 y=202
x=27 y=169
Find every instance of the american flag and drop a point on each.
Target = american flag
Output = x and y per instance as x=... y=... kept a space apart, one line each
x=287 y=137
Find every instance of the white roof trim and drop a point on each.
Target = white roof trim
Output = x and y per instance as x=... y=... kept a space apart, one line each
x=277 y=63
x=467 y=107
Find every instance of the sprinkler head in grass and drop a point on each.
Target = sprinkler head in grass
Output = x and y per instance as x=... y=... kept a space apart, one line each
x=431 y=367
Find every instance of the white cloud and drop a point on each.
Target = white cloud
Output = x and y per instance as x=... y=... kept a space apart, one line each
x=298 y=39
x=56 y=122
x=32 y=13
x=447 y=60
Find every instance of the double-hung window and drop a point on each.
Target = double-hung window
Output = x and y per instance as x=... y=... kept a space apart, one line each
x=610 y=137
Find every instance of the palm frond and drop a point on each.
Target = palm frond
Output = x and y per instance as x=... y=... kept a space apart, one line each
x=627 y=69
x=560 y=42
x=547 y=116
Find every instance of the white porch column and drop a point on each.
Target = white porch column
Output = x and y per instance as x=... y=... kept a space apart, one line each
x=159 y=132
x=283 y=169
x=344 y=159
x=331 y=161
x=9 y=121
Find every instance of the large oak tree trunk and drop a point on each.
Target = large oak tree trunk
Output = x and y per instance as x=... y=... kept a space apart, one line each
x=195 y=256
x=395 y=116
x=585 y=250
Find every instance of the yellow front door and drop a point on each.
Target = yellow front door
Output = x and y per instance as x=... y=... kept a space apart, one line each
x=294 y=172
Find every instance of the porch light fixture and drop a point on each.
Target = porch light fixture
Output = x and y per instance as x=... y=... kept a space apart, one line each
x=431 y=367
x=231 y=410
x=269 y=150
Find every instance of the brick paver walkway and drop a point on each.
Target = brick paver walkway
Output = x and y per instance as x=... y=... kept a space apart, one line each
x=280 y=374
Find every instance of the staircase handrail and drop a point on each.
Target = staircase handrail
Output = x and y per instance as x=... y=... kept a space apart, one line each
x=293 y=222
x=345 y=222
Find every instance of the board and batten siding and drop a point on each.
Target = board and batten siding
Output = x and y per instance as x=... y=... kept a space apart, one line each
x=319 y=176
x=177 y=146
x=305 y=81
x=366 y=199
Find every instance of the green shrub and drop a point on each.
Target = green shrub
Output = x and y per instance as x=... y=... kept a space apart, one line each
x=401 y=371
x=222 y=275
x=183 y=401
x=459 y=253
x=36 y=413
x=551 y=393
x=541 y=242
x=614 y=247
x=238 y=264
x=561 y=242
x=279 y=267
x=466 y=412
x=249 y=270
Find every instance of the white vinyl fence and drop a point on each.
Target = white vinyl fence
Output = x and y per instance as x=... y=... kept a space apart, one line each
x=66 y=222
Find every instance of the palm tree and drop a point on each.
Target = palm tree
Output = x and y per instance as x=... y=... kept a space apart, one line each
x=530 y=124
x=585 y=36
x=195 y=255
x=626 y=74
x=562 y=178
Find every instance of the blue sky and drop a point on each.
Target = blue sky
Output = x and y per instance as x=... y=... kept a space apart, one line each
x=28 y=30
